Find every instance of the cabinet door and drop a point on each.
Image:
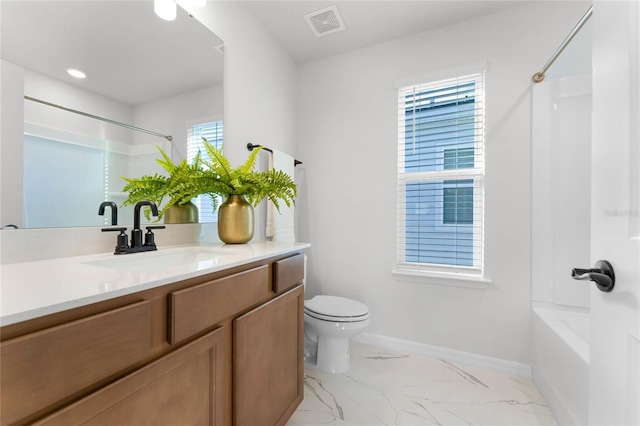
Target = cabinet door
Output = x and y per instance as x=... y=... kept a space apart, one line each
x=183 y=387
x=267 y=361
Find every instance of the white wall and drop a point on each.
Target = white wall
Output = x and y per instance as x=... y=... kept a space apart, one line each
x=260 y=87
x=11 y=150
x=348 y=140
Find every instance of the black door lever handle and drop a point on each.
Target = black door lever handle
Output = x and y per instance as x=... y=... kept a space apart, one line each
x=602 y=274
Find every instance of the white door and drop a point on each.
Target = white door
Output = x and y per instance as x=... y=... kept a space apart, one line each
x=614 y=379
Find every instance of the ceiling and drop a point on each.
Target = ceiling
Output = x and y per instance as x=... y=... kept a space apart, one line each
x=366 y=22
x=50 y=36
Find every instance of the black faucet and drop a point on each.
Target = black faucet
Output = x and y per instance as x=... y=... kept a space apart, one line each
x=114 y=211
x=122 y=247
x=136 y=232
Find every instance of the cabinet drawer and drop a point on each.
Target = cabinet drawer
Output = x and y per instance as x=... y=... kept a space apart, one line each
x=197 y=308
x=42 y=368
x=288 y=273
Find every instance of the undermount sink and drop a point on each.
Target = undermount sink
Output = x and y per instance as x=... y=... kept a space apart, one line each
x=198 y=256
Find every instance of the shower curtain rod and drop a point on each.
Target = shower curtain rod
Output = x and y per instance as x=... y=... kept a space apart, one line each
x=539 y=76
x=169 y=138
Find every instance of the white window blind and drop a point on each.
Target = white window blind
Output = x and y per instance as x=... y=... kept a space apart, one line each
x=213 y=133
x=441 y=175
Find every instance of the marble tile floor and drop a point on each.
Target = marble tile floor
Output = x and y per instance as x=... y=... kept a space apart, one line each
x=390 y=388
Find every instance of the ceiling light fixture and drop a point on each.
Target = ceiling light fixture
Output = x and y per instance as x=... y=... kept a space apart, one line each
x=76 y=73
x=165 y=9
x=168 y=9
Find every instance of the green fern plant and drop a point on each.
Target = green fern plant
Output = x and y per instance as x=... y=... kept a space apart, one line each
x=244 y=180
x=213 y=177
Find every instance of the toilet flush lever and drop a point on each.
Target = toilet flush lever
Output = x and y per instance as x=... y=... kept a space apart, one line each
x=601 y=274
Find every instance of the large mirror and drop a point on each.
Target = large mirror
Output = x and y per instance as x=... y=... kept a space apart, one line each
x=160 y=78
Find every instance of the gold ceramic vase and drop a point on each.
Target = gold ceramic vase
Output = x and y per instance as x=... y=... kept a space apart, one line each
x=186 y=213
x=235 y=220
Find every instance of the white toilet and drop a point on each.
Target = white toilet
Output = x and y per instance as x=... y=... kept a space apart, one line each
x=329 y=322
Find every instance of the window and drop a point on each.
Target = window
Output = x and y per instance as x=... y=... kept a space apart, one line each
x=440 y=175
x=457 y=202
x=213 y=133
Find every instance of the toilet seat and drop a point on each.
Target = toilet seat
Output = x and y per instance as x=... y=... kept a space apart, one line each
x=336 y=309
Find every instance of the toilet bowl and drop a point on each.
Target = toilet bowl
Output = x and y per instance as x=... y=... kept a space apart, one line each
x=329 y=323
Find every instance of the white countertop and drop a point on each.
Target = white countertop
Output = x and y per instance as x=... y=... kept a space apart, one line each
x=33 y=289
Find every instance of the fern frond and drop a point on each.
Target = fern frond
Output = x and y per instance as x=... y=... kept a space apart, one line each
x=248 y=166
x=219 y=163
x=165 y=162
x=280 y=186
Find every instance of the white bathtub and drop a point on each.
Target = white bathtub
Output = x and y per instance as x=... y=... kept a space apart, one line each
x=561 y=361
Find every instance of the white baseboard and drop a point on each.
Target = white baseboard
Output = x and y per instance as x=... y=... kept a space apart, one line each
x=495 y=364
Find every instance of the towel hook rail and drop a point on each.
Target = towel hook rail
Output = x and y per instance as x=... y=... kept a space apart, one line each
x=250 y=147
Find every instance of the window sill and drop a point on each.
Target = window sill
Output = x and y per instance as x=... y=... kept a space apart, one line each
x=451 y=279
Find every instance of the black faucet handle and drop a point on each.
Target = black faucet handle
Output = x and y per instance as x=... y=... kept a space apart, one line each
x=149 y=237
x=115 y=229
x=123 y=240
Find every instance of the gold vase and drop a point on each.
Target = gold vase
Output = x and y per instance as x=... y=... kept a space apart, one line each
x=186 y=213
x=235 y=220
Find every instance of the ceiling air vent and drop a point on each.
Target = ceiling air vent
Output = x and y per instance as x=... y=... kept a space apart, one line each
x=325 y=21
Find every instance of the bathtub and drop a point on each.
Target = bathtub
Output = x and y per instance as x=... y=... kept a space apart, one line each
x=561 y=361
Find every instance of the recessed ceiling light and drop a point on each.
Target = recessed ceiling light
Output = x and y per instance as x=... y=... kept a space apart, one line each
x=76 y=73
x=165 y=9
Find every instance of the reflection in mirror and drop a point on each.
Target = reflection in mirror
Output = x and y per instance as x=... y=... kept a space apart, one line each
x=165 y=77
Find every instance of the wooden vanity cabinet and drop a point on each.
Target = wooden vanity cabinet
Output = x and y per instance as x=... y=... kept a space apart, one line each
x=231 y=354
